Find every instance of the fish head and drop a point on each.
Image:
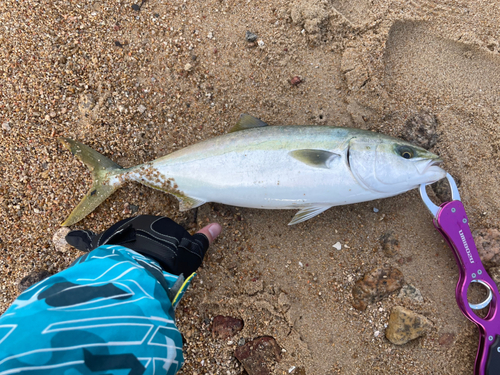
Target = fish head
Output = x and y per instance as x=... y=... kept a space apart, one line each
x=390 y=165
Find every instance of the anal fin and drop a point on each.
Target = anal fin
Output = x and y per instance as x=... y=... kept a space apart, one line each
x=187 y=203
x=307 y=213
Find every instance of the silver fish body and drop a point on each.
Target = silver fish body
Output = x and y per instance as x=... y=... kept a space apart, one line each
x=310 y=168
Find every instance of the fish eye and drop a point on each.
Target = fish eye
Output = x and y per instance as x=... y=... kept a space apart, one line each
x=406 y=152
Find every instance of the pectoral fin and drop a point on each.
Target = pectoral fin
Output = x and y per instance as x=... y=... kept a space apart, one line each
x=247 y=122
x=307 y=213
x=314 y=158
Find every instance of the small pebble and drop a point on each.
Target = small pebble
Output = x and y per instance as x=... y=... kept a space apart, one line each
x=260 y=43
x=250 y=37
x=405 y=325
x=6 y=126
x=259 y=355
x=375 y=209
x=136 y=7
x=59 y=239
x=141 y=109
x=224 y=327
x=338 y=246
x=299 y=371
x=295 y=81
x=390 y=244
x=375 y=286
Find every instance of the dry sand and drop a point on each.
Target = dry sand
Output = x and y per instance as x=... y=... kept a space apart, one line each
x=136 y=85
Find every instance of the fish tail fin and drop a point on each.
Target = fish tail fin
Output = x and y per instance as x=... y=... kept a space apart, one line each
x=102 y=168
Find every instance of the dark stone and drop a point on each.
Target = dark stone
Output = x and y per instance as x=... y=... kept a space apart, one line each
x=136 y=7
x=118 y=44
x=32 y=279
x=224 y=326
x=376 y=285
x=421 y=130
x=488 y=245
x=133 y=208
x=156 y=15
x=390 y=244
x=250 y=37
x=259 y=355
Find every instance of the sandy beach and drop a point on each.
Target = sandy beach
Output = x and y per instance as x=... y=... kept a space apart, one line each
x=137 y=83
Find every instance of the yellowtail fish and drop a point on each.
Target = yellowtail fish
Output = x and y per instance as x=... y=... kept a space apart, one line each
x=309 y=168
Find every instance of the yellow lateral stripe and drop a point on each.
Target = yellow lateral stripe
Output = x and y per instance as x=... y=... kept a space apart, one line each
x=184 y=286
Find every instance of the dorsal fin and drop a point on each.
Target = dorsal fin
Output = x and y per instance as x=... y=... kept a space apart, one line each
x=247 y=122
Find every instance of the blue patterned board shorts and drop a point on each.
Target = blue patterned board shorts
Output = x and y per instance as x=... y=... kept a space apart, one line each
x=109 y=313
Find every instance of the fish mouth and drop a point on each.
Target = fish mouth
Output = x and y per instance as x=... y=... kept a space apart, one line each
x=430 y=166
